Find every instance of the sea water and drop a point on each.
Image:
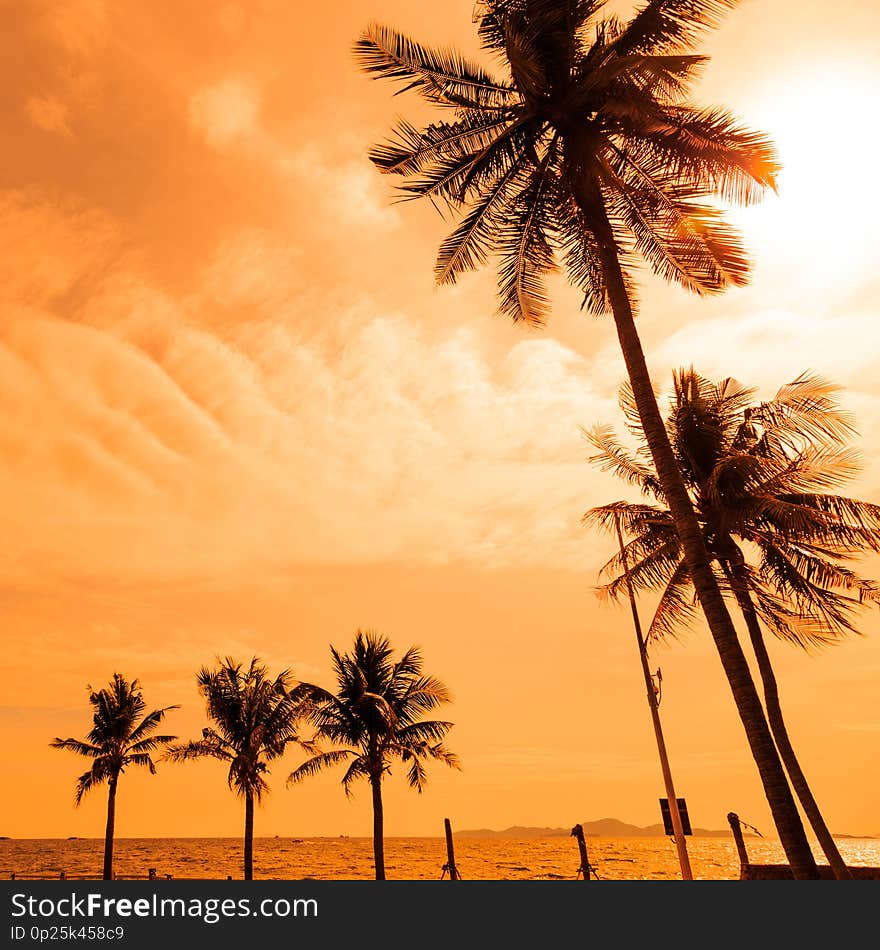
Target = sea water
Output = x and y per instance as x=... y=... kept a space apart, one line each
x=344 y=858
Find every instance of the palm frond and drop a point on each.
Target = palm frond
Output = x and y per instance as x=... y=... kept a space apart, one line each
x=651 y=563
x=470 y=244
x=698 y=150
x=666 y=79
x=524 y=247
x=580 y=255
x=421 y=694
x=150 y=722
x=850 y=525
x=677 y=609
x=804 y=411
x=815 y=469
x=441 y=754
x=198 y=749
x=422 y=732
x=143 y=760
x=150 y=744
x=633 y=518
x=86 y=749
x=795 y=626
x=683 y=242
x=357 y=769
x=417 y=775
x=670 y=26
x=808 y=582
x=410 y=150
x=612 y=457
x=318 y=763
x=442 y=77
x=88 y=781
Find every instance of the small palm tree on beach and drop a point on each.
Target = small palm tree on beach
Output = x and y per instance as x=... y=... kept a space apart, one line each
x=760 y=476
x=254 y=720
x=376 y=717
x=121 y=735
x=588 y=152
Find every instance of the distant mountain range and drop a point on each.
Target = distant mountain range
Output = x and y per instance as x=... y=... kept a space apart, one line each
x=604 y=827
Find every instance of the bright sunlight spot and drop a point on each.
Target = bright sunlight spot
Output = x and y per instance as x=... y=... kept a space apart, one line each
x=824 y=220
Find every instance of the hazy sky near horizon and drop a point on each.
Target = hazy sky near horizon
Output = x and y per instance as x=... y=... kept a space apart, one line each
x=238 y=418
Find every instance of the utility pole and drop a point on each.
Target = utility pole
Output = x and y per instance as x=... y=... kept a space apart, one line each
x=680 y=844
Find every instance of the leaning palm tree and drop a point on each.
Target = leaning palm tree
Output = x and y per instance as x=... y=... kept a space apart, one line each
x=376 y=717
x=255 y=719
x=588 y=152
x=760 y=475
x=121 y=735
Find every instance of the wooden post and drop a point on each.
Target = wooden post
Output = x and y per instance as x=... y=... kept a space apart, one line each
x=736 y=828
x=578 y=833
x=450 y=855
x=680 y=844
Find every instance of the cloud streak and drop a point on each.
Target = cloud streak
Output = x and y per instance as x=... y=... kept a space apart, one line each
x=155 y=425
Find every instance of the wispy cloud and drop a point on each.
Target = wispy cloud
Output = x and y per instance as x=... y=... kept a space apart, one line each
x=49 y=114
x=199 y=442
x=226 y=112
x=77 y=25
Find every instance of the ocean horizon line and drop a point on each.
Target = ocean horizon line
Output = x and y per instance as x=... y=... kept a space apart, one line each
x=308 y=837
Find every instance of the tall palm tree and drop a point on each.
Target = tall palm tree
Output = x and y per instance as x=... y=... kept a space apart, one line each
x=255 y=719
x=760 y=477
x=121 y=735
x=589 y=152
x=376 y=717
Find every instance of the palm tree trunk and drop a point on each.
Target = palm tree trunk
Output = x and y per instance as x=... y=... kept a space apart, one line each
x=110 y=831
x=779 y=797
x=248 y=836
x=378 y=827
x=739 y=584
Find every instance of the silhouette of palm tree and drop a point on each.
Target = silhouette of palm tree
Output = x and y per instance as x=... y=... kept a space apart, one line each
x=760 y=476
x=121 y=735
x=588 y=152
x=255 y=719
x=376 y=716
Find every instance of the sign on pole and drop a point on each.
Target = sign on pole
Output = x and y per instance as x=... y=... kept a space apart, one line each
x=667 y=817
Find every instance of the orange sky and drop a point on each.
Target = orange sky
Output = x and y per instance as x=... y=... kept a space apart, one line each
x=237 y=417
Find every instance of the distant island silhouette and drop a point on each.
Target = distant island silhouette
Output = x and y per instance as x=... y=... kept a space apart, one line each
x=603 y=827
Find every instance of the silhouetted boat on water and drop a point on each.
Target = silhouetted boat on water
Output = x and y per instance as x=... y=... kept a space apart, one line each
x=782 y=872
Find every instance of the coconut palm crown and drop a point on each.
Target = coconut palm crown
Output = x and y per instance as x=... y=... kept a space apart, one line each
x=255 y=719
x=762 y=476
x=376 y=717
x=591 y=120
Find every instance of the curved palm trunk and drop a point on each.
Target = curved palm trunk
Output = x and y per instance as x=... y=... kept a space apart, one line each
x=248 y=836
x=739 y=585
x=748 y=704
x=378 y=827
x=110 y=830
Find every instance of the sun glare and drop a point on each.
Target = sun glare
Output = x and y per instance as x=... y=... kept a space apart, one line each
x=824 y=219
